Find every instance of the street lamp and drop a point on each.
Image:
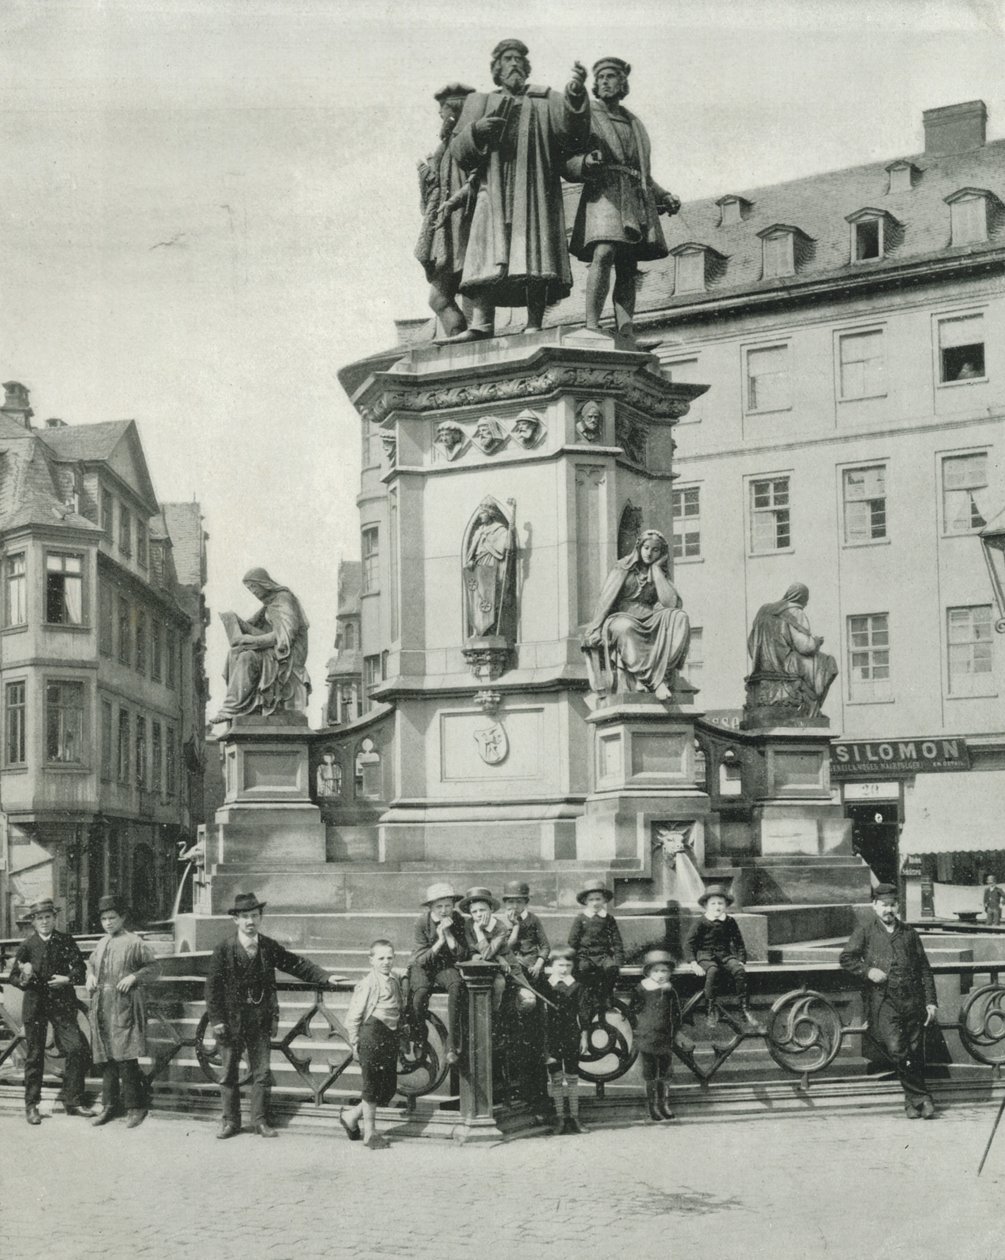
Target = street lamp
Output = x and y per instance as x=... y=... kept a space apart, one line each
x=993 y=541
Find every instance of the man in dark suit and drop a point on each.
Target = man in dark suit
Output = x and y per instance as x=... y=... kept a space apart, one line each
x=47 y=966
x=889 y=959
x=244 y=1008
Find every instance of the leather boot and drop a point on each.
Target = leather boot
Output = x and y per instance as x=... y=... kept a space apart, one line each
x=575 y=1126
x=651 y=1102
x=31 y=1115
x=103 y=1117
x=663 y=1101
x=750 y=1017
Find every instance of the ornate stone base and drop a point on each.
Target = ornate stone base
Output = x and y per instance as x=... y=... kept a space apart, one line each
x=488 y=656
x=779 y=700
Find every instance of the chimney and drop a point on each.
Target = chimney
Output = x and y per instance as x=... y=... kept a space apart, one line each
x=16 y=405
x=955 y=128
x=54 y=422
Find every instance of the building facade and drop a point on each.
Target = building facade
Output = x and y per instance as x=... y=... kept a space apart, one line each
x=102 y=677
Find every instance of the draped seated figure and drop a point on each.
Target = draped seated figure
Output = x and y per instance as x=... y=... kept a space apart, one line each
x=789 y=673
x=639 y=634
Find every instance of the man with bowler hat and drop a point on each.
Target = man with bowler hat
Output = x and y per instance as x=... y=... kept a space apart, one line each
x=244 y=1008
x=47 y=966
x=889 y=959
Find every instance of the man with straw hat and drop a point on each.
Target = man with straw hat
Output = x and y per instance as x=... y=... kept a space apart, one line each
x=438 y=946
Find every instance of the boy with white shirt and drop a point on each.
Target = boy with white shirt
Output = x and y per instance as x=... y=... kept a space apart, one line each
x=375 y=1011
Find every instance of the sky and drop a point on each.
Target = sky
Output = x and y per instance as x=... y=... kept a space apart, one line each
x=210 y=206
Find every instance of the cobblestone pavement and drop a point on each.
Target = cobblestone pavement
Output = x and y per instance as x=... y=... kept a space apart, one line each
x=849 y=1185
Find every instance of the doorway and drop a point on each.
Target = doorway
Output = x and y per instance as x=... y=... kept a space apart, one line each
x=875 y=830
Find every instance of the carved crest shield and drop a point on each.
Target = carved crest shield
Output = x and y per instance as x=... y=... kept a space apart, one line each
x=493 y=745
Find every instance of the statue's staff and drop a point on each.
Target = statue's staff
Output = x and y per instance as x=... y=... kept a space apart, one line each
x=510 y=560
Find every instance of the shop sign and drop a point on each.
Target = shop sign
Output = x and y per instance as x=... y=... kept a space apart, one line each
x=895 y=758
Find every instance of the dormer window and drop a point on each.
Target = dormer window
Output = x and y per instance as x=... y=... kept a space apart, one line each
x=696 y=265
x=903 y=175
x=968 y=208
x=784 y=249
x=733 y=209
x=871 y=234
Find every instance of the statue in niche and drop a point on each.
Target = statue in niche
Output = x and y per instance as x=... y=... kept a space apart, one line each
x=488 y=435
x=329 y=777
x=590 y=422
x=630 y=435
x=489 y=573
x=617 y=224
x=639 y=626
x=789 y=673
x=447 y=195
x=450 y=439
x=266 y=668
x=527 y=428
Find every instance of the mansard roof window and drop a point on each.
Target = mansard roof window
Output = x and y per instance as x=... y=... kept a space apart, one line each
x=903 y=175
x=733 y=209
x=785 y=249
x=873 y=234
x=696 y=266
x=970 y=212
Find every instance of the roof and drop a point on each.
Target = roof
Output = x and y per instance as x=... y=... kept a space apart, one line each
x=86 y=442
x=34 y=489
x=183 y=522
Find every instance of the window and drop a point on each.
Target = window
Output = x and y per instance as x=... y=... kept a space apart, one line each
x=970 y=656
x=64 y=722
x=770 y=526
x=107 y=514
x=695 y=663
x=141 y=752
x=686 y=522
x=371 y=560
x=868 y=239
x=171 y=762
x=16 y=609
x=170 y=655
x=348 y=636
x=690 y=271
x=371 y=674
x=768 y=379
x=373 y=448
x=106 y=741
x=862 y=365
x=125 y=632
x=64 y=589
x=156 y=650
x=156 y=757
x=141 y=543
x=123 y=746
x=964 y=486
x=961 y=349
x=869 y=657
x=106 y=626
x=779 y=255
x=125 y=531
x=346 y=703
x=14 y=744
x=969 y=217
x=141 y=641
x=864 y=504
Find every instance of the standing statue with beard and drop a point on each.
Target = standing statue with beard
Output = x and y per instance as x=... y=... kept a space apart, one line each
x=617 y=224
x=517 y=139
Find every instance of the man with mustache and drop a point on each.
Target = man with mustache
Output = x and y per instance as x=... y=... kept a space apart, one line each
x=517 y=139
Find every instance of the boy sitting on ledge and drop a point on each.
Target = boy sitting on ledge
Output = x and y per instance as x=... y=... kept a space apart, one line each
x=715 y=944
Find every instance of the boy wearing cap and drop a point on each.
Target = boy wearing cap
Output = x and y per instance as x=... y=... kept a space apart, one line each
x=244 y=1008
x=715 y=944
x=595 y=938
x=438 y=945
x=372 y=1021
x=486 y=937
x=568 y=1018
x=116 y=972
x=47 y=966
x=527 y=938
x=656 y=1011
x=889 y=959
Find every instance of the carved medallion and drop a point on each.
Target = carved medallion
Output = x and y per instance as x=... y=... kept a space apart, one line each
x=493 y=744
x=590 y=421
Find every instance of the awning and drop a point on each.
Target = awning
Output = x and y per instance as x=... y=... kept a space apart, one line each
x=955 y=813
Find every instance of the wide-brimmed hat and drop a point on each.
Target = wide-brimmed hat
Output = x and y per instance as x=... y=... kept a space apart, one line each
x=477 y=894
x=654 y=956
x=516 y=888
x=436 y=892
x=595 y=885
x=244 y=902
x=884 y=892
x=112 y=901
x=46 y=906
x=716 y=890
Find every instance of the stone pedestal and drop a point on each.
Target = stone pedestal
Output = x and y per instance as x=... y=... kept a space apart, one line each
x=477 y=1099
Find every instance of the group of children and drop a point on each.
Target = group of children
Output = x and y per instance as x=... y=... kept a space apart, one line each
x=558 y=991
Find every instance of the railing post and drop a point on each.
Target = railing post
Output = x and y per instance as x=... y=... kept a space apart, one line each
x=477 y=1102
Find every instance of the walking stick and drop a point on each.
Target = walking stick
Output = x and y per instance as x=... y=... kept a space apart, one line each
x=994 y=1130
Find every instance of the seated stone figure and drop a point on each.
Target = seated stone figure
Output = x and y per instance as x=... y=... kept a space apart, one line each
x=788 y=671
x=639 y=624
x=266 y=668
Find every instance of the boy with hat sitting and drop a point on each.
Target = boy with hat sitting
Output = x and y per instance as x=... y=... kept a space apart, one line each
x=438 y=946
x=47 y=966
x=487 y=939
x=656 y=1011
x=715 y=944
x=244 y=1008
x=568 y=1017
x=527 y=938
x=116 y=971
x=595 y=938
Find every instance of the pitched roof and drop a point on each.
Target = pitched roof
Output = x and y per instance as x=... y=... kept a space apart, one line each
x=183 y=522
x=34 y=489
x=85 y=441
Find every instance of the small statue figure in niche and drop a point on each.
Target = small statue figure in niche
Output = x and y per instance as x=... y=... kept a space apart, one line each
x=617 y=224
x=489 y=573
x=329 y=777
x=448 y=197
x=788 y=669
x=450 y=439
x=630 y=435
x=266 y=668
x=590 y=423
x=639 y=621
x=488 y=435
x=527 y=428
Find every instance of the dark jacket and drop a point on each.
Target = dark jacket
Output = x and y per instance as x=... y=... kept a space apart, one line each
x=531 y=940
x=714 y=941
x=235 y=981
x=568 y=1015
x=992 y=897
x=595 y=938
x=59 y=956
x=655 y=1012
x=424 y=938
x=909 y=983
x=496 y=947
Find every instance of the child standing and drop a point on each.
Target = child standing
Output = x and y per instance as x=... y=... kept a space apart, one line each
x=567 y=1038
x=372 y=1024
x=992 y=901
x=656 y=1009
x=715 y=944
x=596 y=941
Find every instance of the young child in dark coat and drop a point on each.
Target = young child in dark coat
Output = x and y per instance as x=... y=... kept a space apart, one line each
x=567 y=1038
x=715 y=944
x=596 y=940
x=656 y=1010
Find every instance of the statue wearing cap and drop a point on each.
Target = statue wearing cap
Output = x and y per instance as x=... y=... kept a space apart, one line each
x=266 y=668
x=516 y=139
x=617 y=224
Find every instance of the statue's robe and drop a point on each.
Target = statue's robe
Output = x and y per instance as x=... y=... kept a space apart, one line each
x=263 y=680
